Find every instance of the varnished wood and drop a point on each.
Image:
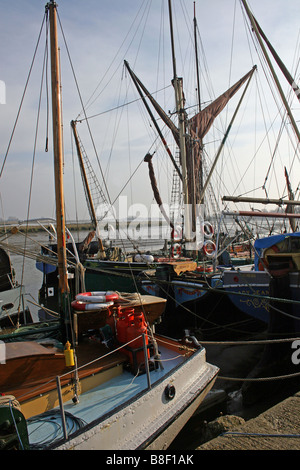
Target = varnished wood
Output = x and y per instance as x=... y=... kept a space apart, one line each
x=31 y=369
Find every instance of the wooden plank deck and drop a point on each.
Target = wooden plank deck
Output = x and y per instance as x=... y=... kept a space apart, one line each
x=31 y=369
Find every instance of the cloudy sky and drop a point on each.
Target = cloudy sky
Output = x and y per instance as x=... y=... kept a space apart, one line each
x=100 y=34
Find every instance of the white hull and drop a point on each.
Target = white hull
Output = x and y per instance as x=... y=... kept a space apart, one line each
x=151 y=421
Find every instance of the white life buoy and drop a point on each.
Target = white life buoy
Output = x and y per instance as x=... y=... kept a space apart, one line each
x=97 y=297
x=176 y=250
x=176 y=233
x=209 y=249
x=92 y=307
x=143 y=258
x=208 y=230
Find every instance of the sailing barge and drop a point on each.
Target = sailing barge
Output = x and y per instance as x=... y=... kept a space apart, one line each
x=114 y=384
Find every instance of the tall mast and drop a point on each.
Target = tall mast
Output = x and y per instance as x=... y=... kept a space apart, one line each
x=283 y=68
x=177 y=83
x=84 y=176
x=200 y=176
x=86 y=186
x=197 y=60
x=285 y=103
x=58 y=154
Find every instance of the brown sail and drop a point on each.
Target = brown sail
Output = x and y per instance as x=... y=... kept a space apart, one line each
x=200 y=124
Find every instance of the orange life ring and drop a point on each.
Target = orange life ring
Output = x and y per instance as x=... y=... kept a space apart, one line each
x=209 y=252
x=204 y=269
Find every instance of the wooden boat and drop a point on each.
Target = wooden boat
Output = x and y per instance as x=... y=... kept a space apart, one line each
x=247 y=290
x=273 y=279
x=117 y=386
x=105 y=403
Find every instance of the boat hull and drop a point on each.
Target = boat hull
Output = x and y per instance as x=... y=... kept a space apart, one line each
x=182 y=291
x=110 y=274
x=246 y=290
x=151 y=420
x=249 y=292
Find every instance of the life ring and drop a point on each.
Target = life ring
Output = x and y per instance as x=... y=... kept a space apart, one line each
x=208 y=230
x=209 y=249
x=204 y=269
x=176 y=250
x=91 y=307
x=97 y=297
x=176 y=233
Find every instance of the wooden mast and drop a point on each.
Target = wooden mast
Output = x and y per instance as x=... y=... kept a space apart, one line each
x=279 y=202
x=86 y=185
x=198 y=94
x=58 y=156
x=285 y=103
x=189 y=220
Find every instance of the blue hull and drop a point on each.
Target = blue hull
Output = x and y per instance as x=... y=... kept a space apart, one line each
x=249 y=292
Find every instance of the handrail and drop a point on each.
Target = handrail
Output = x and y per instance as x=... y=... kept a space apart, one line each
x=58 y=383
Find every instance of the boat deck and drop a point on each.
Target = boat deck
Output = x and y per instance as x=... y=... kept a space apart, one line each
x=97 y=402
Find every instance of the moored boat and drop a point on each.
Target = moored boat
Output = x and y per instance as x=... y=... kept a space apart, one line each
x=14 y=310
x=107 y=381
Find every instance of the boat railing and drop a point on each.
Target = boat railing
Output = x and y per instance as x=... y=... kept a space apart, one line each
x=76 y=370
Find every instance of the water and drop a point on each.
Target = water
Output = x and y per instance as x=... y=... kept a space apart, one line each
x=25 y=269
x=31 y=278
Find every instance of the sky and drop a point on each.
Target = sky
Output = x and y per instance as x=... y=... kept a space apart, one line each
x=99 y=36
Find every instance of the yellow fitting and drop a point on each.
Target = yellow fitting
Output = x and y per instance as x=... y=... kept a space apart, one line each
x=69 y=355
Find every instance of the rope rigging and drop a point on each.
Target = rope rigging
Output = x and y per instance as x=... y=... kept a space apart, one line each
x=23 y=96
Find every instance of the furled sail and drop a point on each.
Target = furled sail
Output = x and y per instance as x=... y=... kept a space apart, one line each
x=198 y=126
x=148 y=159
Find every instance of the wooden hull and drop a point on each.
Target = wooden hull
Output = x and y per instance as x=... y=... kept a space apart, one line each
x=150 y=420
x=116 y=409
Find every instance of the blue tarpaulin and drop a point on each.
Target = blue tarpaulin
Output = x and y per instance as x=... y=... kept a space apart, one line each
x=263 y=243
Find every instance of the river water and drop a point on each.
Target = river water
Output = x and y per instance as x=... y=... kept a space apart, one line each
x=25 y=268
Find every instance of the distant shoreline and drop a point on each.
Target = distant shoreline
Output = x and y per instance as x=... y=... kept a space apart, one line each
x=37 y=228
x=75 y=226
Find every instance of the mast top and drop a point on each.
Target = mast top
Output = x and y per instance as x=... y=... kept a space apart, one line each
x=50 y=3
